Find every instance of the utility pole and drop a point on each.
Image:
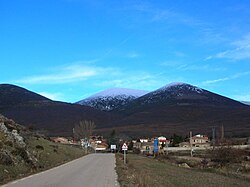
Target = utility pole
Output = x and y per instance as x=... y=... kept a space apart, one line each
x=73 y=134
x=222 y=132
x=191 y=145
x=213 y=136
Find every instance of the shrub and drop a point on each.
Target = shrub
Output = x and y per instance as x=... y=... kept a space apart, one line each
x=136 y=151
x=225 y=154
x=39 y=147
x=5 y=159
x=9 y=143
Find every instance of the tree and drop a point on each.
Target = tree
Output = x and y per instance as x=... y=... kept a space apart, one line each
x=83 y=129
x=113 y=139
x=176 y=139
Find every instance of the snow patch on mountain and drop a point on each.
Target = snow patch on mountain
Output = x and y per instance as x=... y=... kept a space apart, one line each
x=114 y=92
x=112 y=98
x=245 y=102
x=179 y=85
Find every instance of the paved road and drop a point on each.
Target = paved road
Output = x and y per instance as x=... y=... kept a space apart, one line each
x=94 y=170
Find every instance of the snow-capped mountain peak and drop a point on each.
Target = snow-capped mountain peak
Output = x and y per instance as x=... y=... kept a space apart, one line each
x=112 y=98
x=113 y=92
x=179 y=86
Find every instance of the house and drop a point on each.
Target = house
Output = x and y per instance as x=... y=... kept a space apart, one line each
x=98 y=143
x=200 y=141
x=101 y=146
x=162 y=143
x=143 y=140
x=197 y=141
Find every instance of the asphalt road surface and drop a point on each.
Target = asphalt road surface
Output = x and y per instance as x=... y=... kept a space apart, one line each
x=94 y=170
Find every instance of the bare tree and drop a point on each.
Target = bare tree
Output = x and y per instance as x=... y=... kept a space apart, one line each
x=83 y=129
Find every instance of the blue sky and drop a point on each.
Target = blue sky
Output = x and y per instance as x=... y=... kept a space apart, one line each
x=70 y=49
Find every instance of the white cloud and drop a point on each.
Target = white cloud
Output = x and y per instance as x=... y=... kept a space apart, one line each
x=205 y=67
x=101 y=77
x=66 y=74
x=235 y=76
x=52 y=96
x=133 y=55
x=242 y=97
x=135 y=80
x=240 y=51
x=98 y=76
x=191 y=67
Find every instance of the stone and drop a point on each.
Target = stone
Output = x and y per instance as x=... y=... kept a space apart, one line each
x=184 y=165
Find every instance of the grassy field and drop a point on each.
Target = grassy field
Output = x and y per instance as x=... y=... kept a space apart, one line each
x=142 y=171
x=47 y=153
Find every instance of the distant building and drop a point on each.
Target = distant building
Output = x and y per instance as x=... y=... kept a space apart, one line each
x=162 y=144
x=98 y=143
x=146 y=146
x=200 y=141
x=143 y=140
x=101 y=146
x=197 y=141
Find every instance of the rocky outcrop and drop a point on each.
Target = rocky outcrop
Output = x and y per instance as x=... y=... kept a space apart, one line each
x=13 y=148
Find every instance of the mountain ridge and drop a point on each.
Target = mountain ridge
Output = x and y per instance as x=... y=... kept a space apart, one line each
x=173 y=108
x=112 y=98
x=33 y=110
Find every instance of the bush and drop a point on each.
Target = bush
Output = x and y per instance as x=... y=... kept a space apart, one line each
x=136 y=151
x=39 y=147
x=5 y=159
x=9 y=143
x=226 y=154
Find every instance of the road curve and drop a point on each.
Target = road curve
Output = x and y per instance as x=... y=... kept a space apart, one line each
x=93 y=170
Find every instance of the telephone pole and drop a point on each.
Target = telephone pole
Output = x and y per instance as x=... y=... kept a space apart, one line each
x=213 y=136
x=222 y=132
x=191 y=145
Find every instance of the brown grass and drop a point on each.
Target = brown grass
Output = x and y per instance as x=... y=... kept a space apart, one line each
x=48 y=154
x=142 y=172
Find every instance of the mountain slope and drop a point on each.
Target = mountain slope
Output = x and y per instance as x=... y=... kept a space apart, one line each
x=57 y=118
x=15 y=95
x=175 y=108
x=180 y=94
x=111 y=99
x=179 y=108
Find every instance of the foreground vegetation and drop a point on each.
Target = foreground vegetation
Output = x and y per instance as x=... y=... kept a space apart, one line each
x=144 y=171
x=23 y=152
x=47 y=155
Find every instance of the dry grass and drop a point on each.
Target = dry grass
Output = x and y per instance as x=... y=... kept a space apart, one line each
x=47 y=153
x=142 y=172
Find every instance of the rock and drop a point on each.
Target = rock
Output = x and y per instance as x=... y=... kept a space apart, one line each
x=247 y=158
x=18 y=139
x=3 y=128
x=5 y=158
x=184 y=165
x=12 y=136
x=247 y=166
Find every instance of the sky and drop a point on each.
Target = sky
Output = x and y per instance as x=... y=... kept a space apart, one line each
x=68 y=50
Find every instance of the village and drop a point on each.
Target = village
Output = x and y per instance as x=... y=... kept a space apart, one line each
x=152 y=145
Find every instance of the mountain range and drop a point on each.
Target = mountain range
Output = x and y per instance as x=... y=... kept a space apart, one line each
x=37 y=112
x=174 y=108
